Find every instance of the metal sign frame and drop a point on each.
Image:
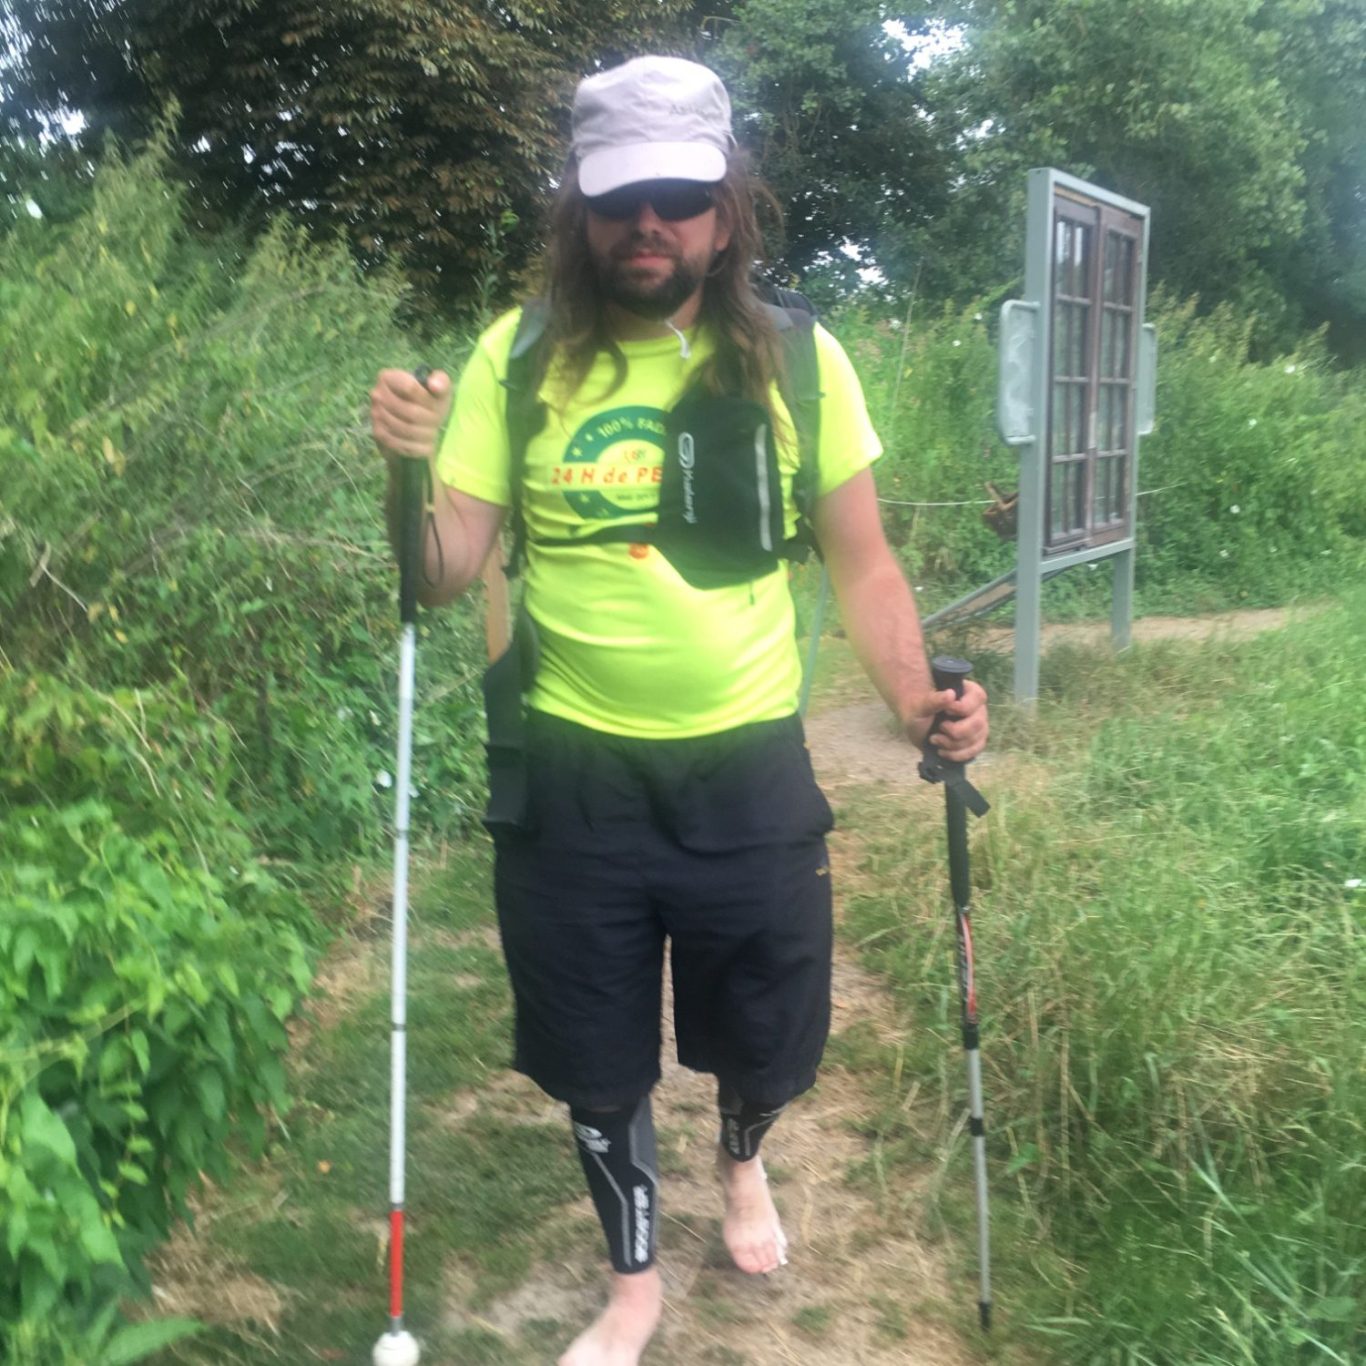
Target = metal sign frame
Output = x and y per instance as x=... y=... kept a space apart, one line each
x=1025 y=410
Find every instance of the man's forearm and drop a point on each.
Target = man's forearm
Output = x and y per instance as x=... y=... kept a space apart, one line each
x=881 y=621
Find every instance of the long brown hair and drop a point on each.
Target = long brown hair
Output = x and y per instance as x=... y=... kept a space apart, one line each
x=748 y=354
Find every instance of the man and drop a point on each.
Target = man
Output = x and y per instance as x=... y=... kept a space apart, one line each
x=668 y=790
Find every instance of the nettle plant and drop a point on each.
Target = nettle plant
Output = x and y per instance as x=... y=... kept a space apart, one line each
x=147 y=965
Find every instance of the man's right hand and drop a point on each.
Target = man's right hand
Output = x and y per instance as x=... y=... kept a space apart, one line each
x=406 y=417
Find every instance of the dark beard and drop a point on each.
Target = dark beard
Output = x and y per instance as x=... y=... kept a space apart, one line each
x=655 y=302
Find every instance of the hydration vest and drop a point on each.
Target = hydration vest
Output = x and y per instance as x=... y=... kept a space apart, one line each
x=720 y=517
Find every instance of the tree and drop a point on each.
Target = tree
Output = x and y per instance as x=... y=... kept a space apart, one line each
x=826 y=98
x=1322 y=62
x=1213 y=112
x=426 y=132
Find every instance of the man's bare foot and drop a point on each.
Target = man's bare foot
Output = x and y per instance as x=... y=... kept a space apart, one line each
x=619 y=1334
x=752 y=1230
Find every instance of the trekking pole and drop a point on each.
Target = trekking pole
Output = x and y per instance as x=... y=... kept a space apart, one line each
x=398 y=1347
x=960 y=797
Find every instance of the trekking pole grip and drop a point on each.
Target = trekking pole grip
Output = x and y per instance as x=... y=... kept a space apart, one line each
x=412 y=504
x=949 y=674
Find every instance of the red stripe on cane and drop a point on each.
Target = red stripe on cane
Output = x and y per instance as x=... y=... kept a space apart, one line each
x=396 y=1263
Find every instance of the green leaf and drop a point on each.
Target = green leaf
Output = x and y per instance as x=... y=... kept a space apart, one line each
x=218 y=1032
x=228 y=977
x=16 y=1231
x=42 y=1128
x=273 y=1079
x=42 y=1247
x=139 y=1340
x=37 y=1289
x=97 y=1239
x=1335 y=1309
x=25 y=949
x=208 y=1085
x=138 y=1041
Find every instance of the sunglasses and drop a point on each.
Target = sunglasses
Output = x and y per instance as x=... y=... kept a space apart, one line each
x=672 y=200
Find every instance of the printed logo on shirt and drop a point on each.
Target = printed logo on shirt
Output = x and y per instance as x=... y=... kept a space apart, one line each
x=613 y=464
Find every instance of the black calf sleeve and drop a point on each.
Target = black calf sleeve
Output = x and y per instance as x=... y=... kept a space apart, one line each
x=743 y=1123
x=617 y=1149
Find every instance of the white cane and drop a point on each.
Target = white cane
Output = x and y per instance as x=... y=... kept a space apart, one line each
x=398 y=1347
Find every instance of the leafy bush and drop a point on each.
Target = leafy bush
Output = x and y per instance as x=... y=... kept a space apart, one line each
x=931 y=388
x=190 y=493
x=147 y=963
x=1259 y=466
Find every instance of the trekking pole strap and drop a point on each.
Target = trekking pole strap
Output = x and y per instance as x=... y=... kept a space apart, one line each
x=414 y=497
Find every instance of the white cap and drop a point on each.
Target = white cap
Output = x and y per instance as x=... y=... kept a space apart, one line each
x=654 y=118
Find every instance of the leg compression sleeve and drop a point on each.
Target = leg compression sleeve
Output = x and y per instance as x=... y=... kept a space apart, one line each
x=617 y=1149
x=743 y=1123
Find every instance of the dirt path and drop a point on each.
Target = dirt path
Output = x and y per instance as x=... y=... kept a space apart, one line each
x=841 y=1299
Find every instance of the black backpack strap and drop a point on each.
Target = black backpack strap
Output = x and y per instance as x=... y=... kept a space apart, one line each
x=795 y=321
x=525 y=417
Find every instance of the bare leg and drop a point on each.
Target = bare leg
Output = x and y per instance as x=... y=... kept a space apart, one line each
x=753 y=1233
x=619 y=1335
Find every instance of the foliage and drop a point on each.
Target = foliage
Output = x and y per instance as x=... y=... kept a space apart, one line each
x=196 y=687
x=54 y=180
x=1321 y=59
x=428 y=137
x=1250 y=492
x=1259 y=465
x=825 y=102
x=103 y=1340
x=147 y=963
x=406 y=129
x=1168 y=929
x=929 y=380
x=1225 y=116
x=495 y=1181
x=189 y=495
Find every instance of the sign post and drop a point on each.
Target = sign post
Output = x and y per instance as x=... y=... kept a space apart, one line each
x=1078 y=368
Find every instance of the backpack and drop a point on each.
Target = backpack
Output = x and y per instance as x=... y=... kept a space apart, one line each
x=794 y=320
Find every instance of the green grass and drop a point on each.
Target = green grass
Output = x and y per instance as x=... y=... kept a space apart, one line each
x=1170 y=968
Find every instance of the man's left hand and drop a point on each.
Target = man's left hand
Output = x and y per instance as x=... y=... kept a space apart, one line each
x=962 y=734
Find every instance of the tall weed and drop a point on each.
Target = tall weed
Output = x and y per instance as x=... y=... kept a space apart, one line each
x=190 y=497
x=1169 y=928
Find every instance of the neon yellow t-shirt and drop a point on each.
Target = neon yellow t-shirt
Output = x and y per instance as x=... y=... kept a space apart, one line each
x=627 y=646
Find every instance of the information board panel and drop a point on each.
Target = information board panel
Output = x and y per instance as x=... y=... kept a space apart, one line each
x=1077 y=374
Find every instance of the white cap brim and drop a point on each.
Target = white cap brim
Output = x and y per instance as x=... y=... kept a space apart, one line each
x=609 y=169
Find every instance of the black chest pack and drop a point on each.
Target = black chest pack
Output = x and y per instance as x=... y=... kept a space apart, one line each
x=720 y=518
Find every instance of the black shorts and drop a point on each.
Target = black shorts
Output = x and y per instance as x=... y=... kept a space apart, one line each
x=718 y=844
